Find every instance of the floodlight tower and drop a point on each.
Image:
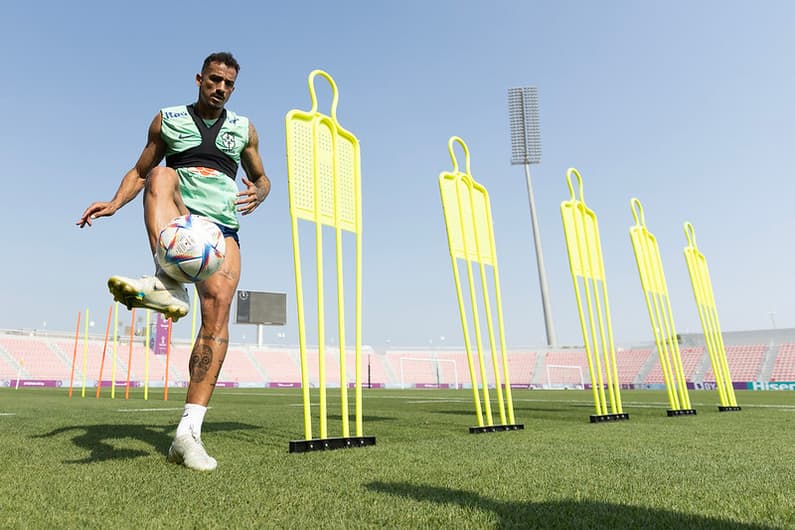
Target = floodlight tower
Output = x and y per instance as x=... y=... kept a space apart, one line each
x=526 y=150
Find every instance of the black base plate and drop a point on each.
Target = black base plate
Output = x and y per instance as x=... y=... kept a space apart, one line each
x=327 y=444
x=601 y=418
x=721 y=408
x=682 y=412
x=496 y=428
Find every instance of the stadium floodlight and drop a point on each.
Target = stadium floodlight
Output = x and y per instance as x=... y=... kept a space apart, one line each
x=526 y=150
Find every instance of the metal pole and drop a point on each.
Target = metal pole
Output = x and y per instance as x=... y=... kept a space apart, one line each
x=542 y=276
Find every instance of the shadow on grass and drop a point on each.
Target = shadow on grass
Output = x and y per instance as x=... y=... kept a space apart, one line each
x=560 y=514
x=98 y=439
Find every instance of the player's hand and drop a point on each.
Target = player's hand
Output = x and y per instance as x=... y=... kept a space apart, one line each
x=96 y=210
x=249 y=198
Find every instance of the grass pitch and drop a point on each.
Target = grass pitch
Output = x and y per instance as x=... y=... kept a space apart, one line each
x=89 y=463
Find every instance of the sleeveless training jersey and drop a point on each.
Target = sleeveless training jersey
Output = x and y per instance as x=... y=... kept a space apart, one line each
x=206 y=159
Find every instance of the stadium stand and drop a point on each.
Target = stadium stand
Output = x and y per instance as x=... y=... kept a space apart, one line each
x=691 y=357
x=36 y=358
x=755 y=356
x=629 y=363
x=521 y=367
x=784 y=368
x=744 y=362
x=39 y=360
x=279 y=365
x=239 y=368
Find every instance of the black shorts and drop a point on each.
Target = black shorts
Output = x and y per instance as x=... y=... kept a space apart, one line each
x=229 y=232
x=225 y=230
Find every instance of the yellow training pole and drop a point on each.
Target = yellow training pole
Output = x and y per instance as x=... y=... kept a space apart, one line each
x=321 y=320
x=85 y=356
x=323 y=166
x=299 y=302
x=655 y=290
x=467 y=234
x=146 y=358
x=341 y=323
x=584 y=250
x=708 y=314
x=470 y=238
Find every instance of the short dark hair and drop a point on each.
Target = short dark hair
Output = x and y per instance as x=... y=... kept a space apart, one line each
x=221 y=57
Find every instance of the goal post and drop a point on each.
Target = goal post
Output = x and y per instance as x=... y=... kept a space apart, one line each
x=439 y=377
x=564 y=377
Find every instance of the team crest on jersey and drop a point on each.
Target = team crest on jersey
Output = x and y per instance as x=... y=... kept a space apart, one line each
x=228 y=141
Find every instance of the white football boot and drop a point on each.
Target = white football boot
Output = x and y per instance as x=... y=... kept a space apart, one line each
x=160 y=293
x=188 y=450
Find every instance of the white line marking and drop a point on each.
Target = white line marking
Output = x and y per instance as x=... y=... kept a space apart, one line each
x=150 y=410
x=438 y=401
x=639 y=404
x=8 y=413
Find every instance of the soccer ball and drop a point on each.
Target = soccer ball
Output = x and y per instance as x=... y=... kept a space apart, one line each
x=190 y=248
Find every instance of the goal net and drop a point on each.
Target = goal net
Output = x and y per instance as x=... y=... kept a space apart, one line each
x=428 y=373
x=563 y=377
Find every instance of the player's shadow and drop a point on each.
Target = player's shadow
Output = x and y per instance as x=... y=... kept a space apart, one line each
x=559 y=515
x=98 y=440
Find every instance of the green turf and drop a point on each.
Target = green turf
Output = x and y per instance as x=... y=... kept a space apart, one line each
x=85 y=463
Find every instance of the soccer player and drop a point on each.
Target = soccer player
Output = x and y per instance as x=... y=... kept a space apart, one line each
x=202 y=143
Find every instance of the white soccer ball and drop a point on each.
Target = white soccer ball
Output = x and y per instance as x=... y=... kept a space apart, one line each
x=190 y=248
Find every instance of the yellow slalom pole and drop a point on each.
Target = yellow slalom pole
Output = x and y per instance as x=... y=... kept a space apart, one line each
x=299 y=303
x=487 y=308
x=584 y=250
x=501 y=326
x=467 y=344
x=146 y=357
x=448 y=184
x=358 y=302
x=573 y=214
x=321 y=312
x=707 y=311
x=323 y=167
x=341 y=333
x=484 y=390
x=652 y=277
x=85 y=357
x=470 y=238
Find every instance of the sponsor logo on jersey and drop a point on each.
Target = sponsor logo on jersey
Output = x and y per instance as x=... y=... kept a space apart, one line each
x=171 y=114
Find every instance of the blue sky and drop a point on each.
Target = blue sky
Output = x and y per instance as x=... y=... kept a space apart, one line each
x=685 y=105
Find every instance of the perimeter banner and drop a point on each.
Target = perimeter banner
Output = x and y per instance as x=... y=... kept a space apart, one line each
x=161 y=335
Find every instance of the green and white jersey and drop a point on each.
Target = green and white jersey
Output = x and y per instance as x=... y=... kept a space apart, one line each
x=206 y=158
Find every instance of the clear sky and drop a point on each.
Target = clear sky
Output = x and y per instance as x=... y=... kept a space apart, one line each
x=685 y=105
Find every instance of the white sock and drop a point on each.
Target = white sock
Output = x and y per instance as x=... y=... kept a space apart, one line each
x=192 y=419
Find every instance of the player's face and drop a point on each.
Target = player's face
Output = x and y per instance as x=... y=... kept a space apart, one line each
x=216 y=84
